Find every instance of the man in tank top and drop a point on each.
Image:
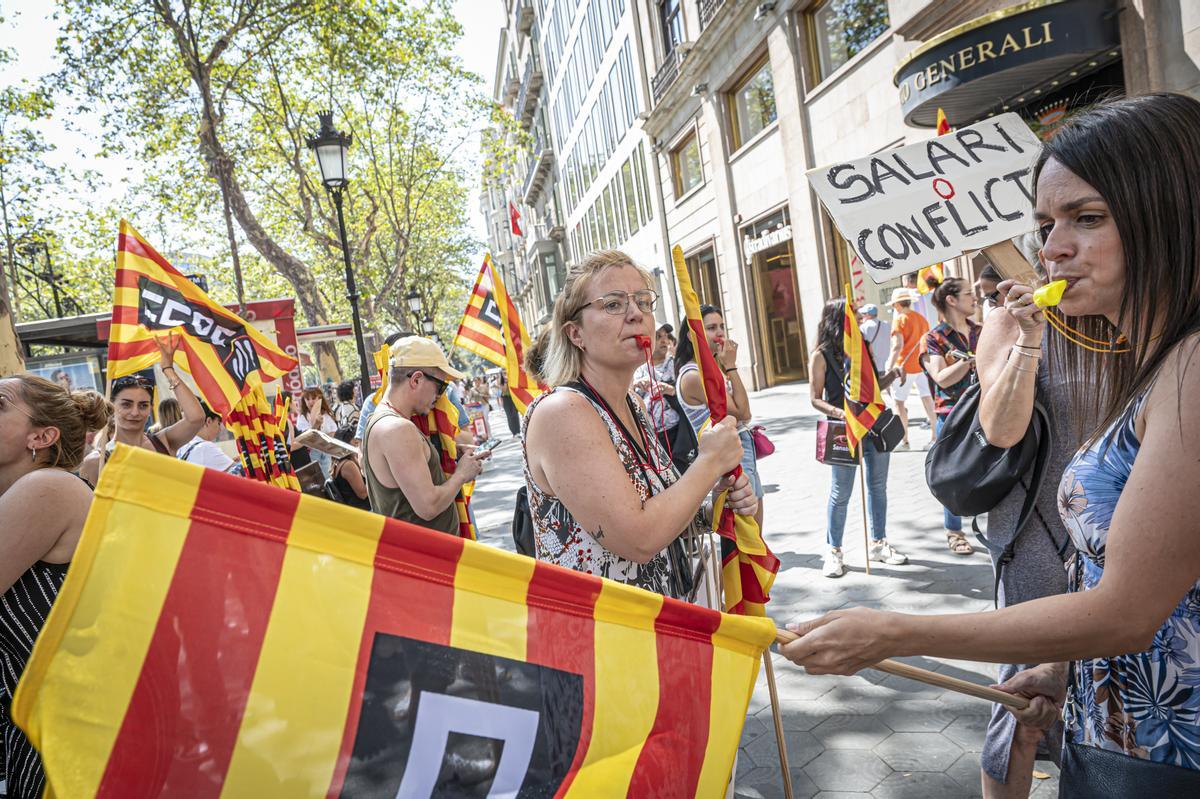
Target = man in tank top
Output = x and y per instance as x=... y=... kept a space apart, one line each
x=403 y=470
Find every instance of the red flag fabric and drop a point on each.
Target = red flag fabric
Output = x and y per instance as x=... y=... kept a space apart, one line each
x=748 y=566
x=863 y=402
x=514 y=217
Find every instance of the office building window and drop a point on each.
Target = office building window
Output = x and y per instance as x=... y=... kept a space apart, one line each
x=843 y=28
x=631 y=212
x=702 y=269
x=685 y=165
x=670 y=20
x=752 y=103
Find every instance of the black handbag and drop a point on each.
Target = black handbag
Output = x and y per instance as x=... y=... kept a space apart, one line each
x=1088 y=772
x=887 y=432
x=522 y=524
x=970 y=476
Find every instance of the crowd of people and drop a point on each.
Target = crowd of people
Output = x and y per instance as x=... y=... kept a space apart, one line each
x=1098 y=590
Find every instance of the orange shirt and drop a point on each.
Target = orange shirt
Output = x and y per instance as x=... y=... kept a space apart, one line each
x=911 y=327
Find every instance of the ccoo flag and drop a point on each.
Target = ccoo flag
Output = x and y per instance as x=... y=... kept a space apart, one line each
x=863 y=402
x=225 y=356
x=748 y=567
x=491 y=328
x=277 y=644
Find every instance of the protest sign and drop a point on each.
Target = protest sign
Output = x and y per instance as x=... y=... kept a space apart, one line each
x=910 y=207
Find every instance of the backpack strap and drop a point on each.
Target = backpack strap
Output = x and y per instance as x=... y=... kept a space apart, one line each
x=1041 y=424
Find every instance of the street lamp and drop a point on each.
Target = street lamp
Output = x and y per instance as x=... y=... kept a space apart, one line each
x=414 y=303
x=427 y=326
x=330 y=146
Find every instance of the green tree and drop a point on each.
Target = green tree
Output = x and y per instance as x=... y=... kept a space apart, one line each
x=239 y=84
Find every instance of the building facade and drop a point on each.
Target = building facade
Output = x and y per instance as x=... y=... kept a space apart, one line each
x=695 y=122
x=747 y=97
x=571 y=74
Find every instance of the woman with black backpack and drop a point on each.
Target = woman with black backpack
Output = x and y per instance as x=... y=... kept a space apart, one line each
x=827 y=372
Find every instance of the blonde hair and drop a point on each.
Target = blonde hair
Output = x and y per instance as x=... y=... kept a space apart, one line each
x=562 y=361
x=72 y=413
x=169 y=413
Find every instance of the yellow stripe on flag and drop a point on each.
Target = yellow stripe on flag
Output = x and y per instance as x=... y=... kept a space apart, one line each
x=626 y=679
x=490 y=614
x=734 y=670
x=109 y=647
x=317 y=619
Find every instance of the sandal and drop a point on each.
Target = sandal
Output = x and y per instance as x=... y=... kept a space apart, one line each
x=958 y=543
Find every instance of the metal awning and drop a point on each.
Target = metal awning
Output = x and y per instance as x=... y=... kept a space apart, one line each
x=1006 y=59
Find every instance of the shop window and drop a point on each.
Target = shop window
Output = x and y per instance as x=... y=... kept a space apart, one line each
x=843 y=28
x=685 y=165
x=702 y=270
x=752 y=103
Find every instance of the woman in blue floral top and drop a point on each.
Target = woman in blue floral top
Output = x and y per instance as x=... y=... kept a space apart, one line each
x=1119 y=217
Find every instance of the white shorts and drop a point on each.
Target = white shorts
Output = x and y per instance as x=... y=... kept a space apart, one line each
x=901 y=392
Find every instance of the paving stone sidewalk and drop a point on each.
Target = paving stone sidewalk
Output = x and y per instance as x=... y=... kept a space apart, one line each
x=873 y=734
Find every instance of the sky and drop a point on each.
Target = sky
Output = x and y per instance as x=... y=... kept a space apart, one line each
x=30 y=32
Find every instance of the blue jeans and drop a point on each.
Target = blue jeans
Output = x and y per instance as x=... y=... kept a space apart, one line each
x=843 y=484
x=949 y=520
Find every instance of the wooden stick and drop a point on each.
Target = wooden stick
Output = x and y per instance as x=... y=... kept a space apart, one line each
x=931 y=678
x=1010 y=263
x=783 y=758
x=862 y=495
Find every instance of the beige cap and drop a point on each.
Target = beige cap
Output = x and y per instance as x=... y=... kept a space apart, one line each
x=414 y=352
x=901 y=295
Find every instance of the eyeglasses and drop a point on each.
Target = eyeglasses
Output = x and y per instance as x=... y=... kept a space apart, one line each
x=616 y=303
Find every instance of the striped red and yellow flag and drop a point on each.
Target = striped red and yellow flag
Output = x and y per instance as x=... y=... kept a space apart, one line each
x=441 y=426
x=481 y=330
x=225 y=356
x=863 y=403
x=277 y=644
x=491 y=328
x=260 y=431
x=943 y=124
x=748 y=566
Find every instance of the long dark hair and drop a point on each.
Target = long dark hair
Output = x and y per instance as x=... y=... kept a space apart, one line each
x=832 y=326
x=1143 y=155
x=685 y=353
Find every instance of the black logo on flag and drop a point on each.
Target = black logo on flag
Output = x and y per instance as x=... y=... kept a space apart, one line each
x=490 y=312
x=447 y=722
x=163 y=307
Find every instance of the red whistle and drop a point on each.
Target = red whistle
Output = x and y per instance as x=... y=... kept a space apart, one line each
x=643 y=341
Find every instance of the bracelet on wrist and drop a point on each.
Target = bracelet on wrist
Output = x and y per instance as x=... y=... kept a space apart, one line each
x=1035 y=356
x=168 y=366
x=1028 y=346
x=1019 y=368
x=174 y=385
x=730 y=369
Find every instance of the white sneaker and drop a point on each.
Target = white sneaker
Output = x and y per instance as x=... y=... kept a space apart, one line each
x=833 y=563
x=883 y=552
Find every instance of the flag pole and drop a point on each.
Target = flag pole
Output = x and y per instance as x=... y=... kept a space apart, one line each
x=769 y=669
x=862 y=495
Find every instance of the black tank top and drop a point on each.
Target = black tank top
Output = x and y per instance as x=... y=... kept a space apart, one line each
x=343 y=487
x=835 y=392
x=23 y=611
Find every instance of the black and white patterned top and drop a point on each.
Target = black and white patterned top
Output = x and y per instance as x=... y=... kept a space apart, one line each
x=559 y=539
x=23 y=611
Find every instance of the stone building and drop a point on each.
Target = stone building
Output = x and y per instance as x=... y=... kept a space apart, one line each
x=571 y=74
x=746 y=97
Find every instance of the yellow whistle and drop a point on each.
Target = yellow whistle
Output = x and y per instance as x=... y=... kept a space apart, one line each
x=1050 y=294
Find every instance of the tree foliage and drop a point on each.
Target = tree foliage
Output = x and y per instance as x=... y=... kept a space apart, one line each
x=215 y=102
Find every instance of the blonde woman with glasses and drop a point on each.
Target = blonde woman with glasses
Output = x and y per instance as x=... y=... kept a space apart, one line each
x=604 y=496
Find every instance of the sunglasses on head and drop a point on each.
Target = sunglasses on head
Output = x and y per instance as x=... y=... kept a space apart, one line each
x=132 y=381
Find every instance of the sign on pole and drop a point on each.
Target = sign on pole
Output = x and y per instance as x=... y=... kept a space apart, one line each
x=907 y=208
